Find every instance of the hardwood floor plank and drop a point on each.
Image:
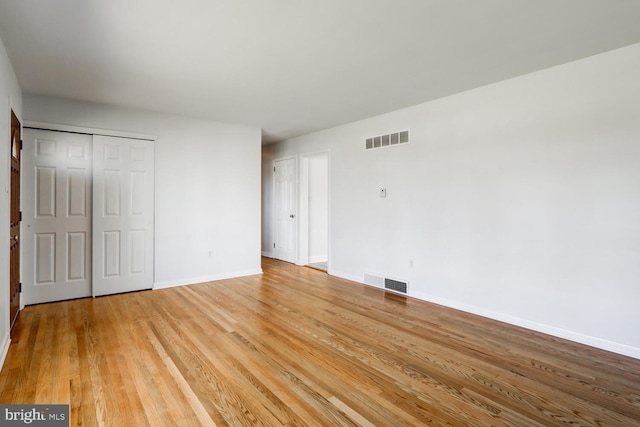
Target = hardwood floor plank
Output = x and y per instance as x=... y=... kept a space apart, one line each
x=86 y=402
x=327 y=370
x=371 y=350
x=310 y=369
x=175 y=384
x=296 y=346
x=351 y=413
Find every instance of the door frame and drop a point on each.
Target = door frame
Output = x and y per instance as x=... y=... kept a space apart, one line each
x=15 y=270
x=87 y=130
x=303 y=202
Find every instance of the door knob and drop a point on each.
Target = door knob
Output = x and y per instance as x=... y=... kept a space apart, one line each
x=292 y=216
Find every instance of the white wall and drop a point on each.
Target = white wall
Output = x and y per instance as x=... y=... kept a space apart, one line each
x=318 y=209
x=207 y=187
x=10 y=98
x=518 y=200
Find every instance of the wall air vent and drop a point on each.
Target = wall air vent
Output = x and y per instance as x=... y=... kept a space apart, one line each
x=389 y=140
x=389 y=284
x=395 y=285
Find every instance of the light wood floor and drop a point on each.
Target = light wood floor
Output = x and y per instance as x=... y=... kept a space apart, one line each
x=298 y=347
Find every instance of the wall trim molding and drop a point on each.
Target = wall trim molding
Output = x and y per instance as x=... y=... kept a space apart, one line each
x=349 y=277
x=4 y=350
x=602 y=344
x=599 y=343
x=203 y=279
x=86 y=130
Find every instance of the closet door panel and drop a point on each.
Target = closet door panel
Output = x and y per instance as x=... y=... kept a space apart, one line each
x=56 y=231
x=123 y=215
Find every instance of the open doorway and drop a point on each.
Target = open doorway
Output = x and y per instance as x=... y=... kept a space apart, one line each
x=314 y=204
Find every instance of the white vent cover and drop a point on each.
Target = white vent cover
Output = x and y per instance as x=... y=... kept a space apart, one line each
x=390 y=284
x=396 y=285
x=389 y=140
x=373 y=280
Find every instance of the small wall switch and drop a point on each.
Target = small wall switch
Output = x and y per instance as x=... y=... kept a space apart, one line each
x=383 y=193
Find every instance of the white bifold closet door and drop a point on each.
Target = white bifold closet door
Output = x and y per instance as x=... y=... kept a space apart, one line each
x=87 y=215
x=123 y=203
x=56 y=210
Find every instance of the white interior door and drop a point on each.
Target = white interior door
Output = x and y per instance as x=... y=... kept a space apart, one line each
x=56 y=233
x=122 y=215
x=285 y=203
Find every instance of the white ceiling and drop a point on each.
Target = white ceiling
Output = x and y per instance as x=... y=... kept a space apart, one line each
x=296 y=66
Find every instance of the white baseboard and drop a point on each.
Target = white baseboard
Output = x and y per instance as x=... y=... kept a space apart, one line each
x=318 y=258
x=267 y=254
x=623 y=349
x=346 y=276
x=6 y=342
x=202 y=279
x=614 y=347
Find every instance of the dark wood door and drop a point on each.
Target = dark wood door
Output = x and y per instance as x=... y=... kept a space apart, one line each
x=14 y=244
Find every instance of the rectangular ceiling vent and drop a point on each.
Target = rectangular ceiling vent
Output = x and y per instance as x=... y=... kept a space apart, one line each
x=394 y=285
x=390 y=140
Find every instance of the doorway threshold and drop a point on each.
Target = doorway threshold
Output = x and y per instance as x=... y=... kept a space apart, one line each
x=322 y=266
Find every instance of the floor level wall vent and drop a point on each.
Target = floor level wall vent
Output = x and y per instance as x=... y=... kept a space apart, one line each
x=394 y=285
